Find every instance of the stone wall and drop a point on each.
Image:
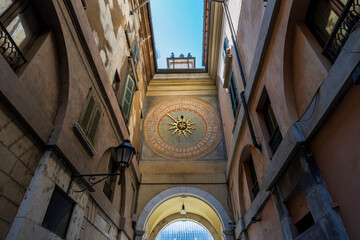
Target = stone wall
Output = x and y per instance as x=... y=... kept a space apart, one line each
x=19 y=157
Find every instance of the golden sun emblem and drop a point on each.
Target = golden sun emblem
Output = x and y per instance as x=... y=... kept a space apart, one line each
x=181 y=125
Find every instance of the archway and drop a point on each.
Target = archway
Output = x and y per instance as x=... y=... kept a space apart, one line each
x=196 y=201
x=184 y=229
x=190 y=216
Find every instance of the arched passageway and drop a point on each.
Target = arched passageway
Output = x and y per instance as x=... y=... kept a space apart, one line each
x=197 y=203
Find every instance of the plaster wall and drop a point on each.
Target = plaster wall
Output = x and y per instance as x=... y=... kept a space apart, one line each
x=44 y=65
x=247 y=31
x=337 y=156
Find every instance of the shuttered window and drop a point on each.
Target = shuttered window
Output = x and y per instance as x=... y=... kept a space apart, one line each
x=127 y=97
x=234 y=96
x=90 y=117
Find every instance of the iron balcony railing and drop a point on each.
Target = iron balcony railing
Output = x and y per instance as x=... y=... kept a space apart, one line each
x=9 y=49
x=345 y=24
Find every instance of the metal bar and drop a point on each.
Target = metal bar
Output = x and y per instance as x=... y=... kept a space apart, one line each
x=251 y=129
x=137 y=8
x=92 y=179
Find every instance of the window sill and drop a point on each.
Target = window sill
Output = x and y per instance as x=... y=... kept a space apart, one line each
x=89 y=147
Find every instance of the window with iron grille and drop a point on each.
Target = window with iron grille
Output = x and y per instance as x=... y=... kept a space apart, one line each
x=90 y=117
x=251 y=178
x=271 y=125
x=331 y=22
x=19 y=27
x=58 y=213
x=234 y=96
x=127 y=97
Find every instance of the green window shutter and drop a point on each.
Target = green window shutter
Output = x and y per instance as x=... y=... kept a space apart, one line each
x=127 y=97
x=85 y=118
x=90 y=117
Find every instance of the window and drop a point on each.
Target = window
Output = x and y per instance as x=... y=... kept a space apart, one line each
x=58 y=213
x=136 y=56
x=127 y=97
x=234 y=96
x=271 y=125
x=251 y=178
x=331 y=21
x=225 y=46
x=110 y=182
x=90 y=117
x=18 y=30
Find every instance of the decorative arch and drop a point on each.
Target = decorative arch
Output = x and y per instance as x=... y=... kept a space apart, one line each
x=188 y=191
x=190 y=216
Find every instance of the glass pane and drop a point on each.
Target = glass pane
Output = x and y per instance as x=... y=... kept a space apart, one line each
x=5 y=4
x=325 y=19
x=58 y=213
x=344 y=2
x=23 y=27
x=184 y=230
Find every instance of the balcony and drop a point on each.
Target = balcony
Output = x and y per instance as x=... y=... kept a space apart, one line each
x=346 y=22
x=331 y=22
x=9 y=49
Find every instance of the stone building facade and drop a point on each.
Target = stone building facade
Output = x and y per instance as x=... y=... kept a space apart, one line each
x=63 y=110
x=262 y=144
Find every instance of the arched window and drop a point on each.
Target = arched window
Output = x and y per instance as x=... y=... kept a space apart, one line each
x=184 y=230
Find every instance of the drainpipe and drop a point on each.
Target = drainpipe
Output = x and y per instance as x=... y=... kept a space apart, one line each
x=242 y=94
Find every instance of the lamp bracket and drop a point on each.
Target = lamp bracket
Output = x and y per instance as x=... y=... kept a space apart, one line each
x=89 y=180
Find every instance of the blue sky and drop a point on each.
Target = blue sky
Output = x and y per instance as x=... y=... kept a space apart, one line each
x=178 y=28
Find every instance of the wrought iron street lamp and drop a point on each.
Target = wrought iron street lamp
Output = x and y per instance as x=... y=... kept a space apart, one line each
x=124 y=154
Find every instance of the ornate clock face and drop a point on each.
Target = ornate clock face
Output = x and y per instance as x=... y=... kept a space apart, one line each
x=182 y=128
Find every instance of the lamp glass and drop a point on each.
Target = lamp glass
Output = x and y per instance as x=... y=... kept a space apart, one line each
x=124 y=154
